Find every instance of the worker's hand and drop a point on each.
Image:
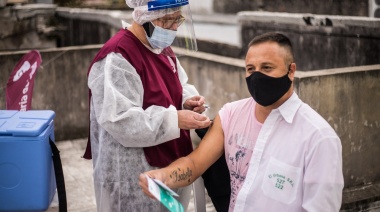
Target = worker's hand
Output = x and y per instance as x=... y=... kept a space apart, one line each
x=195 y=103
x=191 y=120
x=154 y=174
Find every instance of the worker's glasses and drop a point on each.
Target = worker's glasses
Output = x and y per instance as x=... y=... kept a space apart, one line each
x=168 y=23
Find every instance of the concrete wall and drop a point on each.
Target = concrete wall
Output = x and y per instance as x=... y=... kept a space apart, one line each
x=340 y=95
x=347 y=98
x=319 y=41
x=26 y=27
x=60 y=85
x=331 y=7
x=202 y=7
x=89 y=26
x=44 y=1
x=336 y=41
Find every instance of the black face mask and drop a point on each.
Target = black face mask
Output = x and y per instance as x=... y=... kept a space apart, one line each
x=267 y=90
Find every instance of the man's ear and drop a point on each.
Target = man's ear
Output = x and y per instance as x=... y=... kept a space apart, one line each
x=292 y=71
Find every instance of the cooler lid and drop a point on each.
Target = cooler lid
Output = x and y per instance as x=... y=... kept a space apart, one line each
x=6 y=114
x=29 y=123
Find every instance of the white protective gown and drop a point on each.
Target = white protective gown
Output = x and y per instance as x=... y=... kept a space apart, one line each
x=116 y=113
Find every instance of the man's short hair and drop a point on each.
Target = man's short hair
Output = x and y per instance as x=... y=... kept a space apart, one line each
x=279 y=38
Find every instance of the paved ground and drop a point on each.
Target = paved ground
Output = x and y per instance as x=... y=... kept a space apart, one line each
x=79 y=182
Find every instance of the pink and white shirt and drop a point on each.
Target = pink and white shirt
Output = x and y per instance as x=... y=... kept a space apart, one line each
x=294 y=162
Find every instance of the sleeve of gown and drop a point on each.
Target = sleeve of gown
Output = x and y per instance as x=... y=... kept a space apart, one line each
x=323 y=179
x=117 y=98
x=188 y=89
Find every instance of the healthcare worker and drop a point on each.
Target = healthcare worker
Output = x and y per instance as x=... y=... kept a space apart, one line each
x=141 y=106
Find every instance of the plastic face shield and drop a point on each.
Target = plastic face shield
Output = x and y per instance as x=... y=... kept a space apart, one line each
x=176 y=15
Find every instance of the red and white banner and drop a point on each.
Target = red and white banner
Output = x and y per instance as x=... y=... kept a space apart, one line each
x=20 y=84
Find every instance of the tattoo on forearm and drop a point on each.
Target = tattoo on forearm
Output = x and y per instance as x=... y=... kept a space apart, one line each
x=181 y=175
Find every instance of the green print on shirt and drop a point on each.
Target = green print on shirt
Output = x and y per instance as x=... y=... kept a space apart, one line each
x=281 y=179
x=280 y=183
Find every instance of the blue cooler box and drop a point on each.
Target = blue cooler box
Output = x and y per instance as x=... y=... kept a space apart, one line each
x=27 y=179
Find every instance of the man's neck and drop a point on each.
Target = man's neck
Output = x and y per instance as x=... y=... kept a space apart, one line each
x=262 y=112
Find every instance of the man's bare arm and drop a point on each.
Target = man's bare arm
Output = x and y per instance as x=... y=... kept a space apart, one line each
x=186 y=170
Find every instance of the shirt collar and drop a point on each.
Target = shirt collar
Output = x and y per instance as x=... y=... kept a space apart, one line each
x=289 y=108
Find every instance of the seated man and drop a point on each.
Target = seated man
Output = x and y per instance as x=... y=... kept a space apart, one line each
x=281 y=154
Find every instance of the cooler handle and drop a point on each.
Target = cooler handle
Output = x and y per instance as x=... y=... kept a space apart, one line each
x=59 y=178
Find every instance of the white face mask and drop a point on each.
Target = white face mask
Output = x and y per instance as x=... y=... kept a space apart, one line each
x=161 y=38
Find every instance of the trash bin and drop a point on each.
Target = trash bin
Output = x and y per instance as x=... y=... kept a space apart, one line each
x=27 y=179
